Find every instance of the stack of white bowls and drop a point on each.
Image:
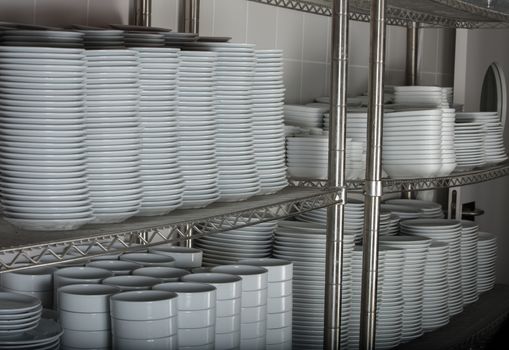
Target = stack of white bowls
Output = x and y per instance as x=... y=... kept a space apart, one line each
x=197 y=128
x=143 y=39
x=304 y=116
x=117 y=267
x=144 y=320
x=35 y=282
x=162 y=273
x=416 y=252
x=185 y=258
x=448 y=231
x=435 y=312
x=469 y=237
x=161 y=177
x=429 y=209
x=76 y=275
x=390 y=303
x=20 y=314
x=486 y=261
x=423 y=96
x=469 y=140
x=239 y=178
x=84 y=313
x=494 y=149
x=43 y=162
x=148 y=259
x=196 y=313
x=253 y=313
x=113 y=134
x=43 y=38
x=101 y=39
x=268 y=126
x=242 y=243
x=228 y=306
x=304 y=244
x=128 y=283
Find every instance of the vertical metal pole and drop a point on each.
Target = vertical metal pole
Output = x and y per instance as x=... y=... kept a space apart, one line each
x=412 y=46
x=373 y=184
x=141 y=12
x=189 y=16
x=337 y=145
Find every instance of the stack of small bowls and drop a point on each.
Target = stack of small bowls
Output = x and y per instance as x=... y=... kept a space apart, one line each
x=144 y=320
x=196 y=313
x=279 y=301
x=36 y=282
x=84 y=313
x=162 y=273
x=228 y=294
x=185 y=258
x=131 y=282
x=117 y=267
x=253 y=314
x=148 y=259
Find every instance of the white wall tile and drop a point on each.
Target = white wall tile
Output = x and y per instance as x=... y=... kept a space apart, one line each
x=395 y=77
x=315 y=38
x=207 y=17
x=428 y=40
x=357 y=80
x=261 y=25
x=425 y=78
x=102 y=12
x=165 y=14
x=230 y=19
x=395 y=50
x=21 y=11
x=313 y=75
x=289 y=33
x=61 y=13
x=446 y=49
x=292 y=80
x=359 y=43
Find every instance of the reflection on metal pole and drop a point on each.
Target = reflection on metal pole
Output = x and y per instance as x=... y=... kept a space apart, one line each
x=412 y=45
x=141 y=13
x=337 y=145
x=373 y=187
x=189 y=16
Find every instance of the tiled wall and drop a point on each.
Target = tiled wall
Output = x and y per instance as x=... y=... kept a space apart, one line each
x=305 y=38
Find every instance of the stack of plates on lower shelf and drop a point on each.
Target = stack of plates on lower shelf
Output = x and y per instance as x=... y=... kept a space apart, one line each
x=197 y=128
x=46 y=336
x=390 y=305
x=102 y=39
x=143 y=39
x=423 y=96
x=494 y=149
x=429 y=209
x=160 y=172
x=435 y=312
x=174 y=39
x=416 y=252
x=403 y=211
x=113 y=134
x=241 y=243
x=18 y=314
x=486 y=259
x=304 y=244
x=43 y=38
x=469 y=237
x=469 y=145
x=268 y=128
x=448 y=231
x=304 y=116
x=43 y=162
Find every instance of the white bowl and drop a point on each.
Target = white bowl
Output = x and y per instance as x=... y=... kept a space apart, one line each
x=279 y=289
x=278 y=270
x=165 y=274
x=144 y=305
x=191 y=295
x=228 y=324
x=46 y=298
x=228 y=307
x=253 y=314
x=196 y=336
x=279 y=320
x=278 y=336
x=131 y=282
x=184 y=257
x=227 y=286
x=228 y=340
x=79 y=275
x=145 y=344
x=253 y=330
x=253 y=277
x=117 y=267
x=148 y=259
x=197 y=318
x=92 y=298
x=30 y=280
x=281 y=304
x=148 y=329
x=80 y=321
x=91 y=340
x=254 y=298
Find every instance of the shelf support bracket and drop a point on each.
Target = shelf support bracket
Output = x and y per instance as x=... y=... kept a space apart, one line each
x=337 y=168
x=373 y=185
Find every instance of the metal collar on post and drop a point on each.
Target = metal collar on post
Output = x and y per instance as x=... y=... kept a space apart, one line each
x=141 y=14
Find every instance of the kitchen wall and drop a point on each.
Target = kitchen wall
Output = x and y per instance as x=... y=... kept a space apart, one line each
x=305 y=38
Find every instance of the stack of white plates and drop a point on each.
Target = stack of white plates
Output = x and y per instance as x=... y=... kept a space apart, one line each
x=43 y=38
x=268 y=128
x=422 y=96
x=144 y=39
x=46 y=336
x=197 y=128
x=18 y=314
x=242 y=243
x=448 y=151
x=415 y=144
x=469 y=145
x=403 y=211
x=239 y=178
x=429 y=209
x=469 y=237
x=448 y=231
x=435 y=312
x=161 y=176
x=416 y=252
x=486 y=259
x=43 y=162
x=494 y=149
x=101 y=39
x=113 y=134
x=390 y=303
x=174 y=39
x=392 y=227
x=304 y=244
x=304 y=116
